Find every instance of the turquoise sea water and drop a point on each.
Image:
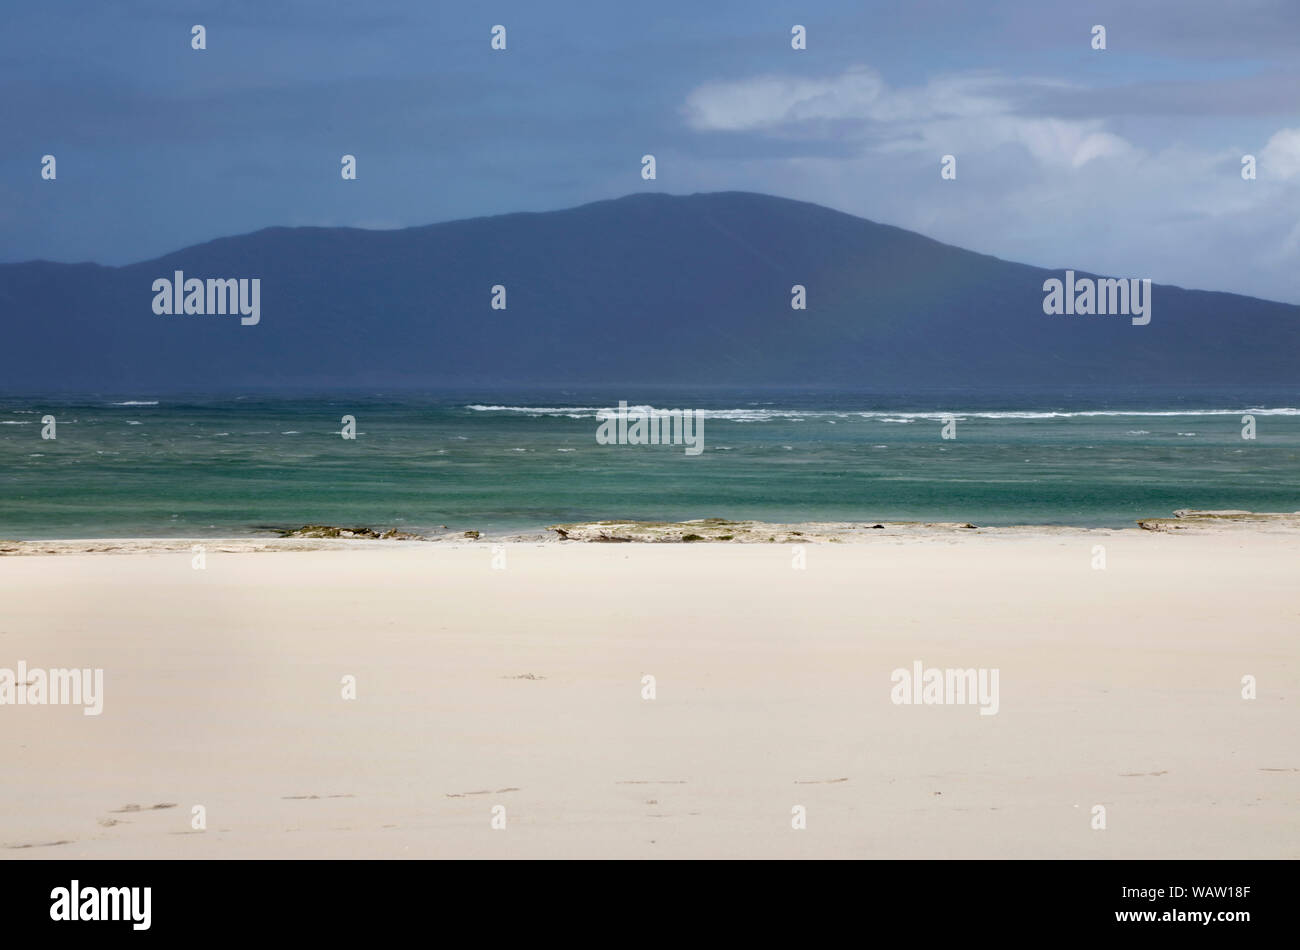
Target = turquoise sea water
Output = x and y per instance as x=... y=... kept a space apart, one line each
x=156 y=466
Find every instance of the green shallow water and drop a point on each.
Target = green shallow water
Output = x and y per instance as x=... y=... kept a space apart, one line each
x=144 y=465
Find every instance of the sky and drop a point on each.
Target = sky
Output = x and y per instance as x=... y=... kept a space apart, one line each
x=1124 y=161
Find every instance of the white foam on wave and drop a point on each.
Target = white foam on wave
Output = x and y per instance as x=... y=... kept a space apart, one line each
x=136 y=402
x=895 y=416
x=602 y=412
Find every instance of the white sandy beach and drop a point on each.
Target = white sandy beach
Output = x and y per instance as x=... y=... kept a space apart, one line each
x=522 y=687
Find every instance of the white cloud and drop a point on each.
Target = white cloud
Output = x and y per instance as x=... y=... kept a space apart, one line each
x=1035 y=188
x=958 y=113
x=768 y=102
x=1281 y=156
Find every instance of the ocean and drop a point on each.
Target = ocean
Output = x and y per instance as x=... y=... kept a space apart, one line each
x=506 y=461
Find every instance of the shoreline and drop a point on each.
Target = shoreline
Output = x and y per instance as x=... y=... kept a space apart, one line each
x=701 y=531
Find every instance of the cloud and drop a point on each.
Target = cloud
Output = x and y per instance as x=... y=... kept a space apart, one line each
x=1054 y=190
x=1280 y=158
x=771 y=102
x=949 y=114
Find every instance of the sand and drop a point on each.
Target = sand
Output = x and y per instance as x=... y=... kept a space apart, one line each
x=522 y=687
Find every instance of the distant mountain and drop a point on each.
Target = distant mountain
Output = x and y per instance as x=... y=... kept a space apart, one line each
x=640 y=290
